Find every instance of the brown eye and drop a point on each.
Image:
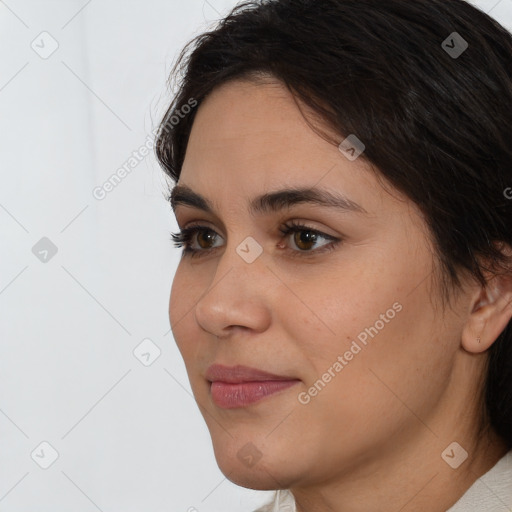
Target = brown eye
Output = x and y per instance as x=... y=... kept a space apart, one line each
x=305 y=240
x=204 y=238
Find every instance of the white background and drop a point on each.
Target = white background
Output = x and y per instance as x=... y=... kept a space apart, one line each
x=129 y=437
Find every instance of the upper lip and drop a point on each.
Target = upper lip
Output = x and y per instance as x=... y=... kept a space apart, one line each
x=239 y=373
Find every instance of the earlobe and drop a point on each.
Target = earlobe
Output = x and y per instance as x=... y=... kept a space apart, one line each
x=474 y=336
x=491 y=313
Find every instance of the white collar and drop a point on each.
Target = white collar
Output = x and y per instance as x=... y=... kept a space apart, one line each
x=492 y=492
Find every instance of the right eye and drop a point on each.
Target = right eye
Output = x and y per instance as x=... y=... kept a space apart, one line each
x=186 y=236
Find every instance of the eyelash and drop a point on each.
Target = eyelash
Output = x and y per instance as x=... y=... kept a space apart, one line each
x=184 y=237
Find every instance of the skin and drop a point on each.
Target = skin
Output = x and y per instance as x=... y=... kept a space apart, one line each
x=372 y=439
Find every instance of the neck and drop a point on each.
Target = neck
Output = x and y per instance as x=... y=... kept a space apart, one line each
x=414 y=477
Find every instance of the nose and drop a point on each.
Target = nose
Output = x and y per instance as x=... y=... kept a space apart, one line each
x=238 y=296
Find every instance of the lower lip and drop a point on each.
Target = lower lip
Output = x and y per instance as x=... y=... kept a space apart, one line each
x=231 y=396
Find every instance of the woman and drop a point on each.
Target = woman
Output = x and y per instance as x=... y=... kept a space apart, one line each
x=344 y=295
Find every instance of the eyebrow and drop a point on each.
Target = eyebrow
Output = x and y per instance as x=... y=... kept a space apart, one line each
x=270 y=201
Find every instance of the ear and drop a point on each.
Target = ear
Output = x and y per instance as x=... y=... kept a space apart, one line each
x=491 y=311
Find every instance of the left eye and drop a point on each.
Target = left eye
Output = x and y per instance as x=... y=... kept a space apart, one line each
x=304 y=238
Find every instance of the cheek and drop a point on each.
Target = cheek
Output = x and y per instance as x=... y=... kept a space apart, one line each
x=177 y=290
x=185 y=292
x=401 y=366
x=389 y=339
x=377 y=297
x=181 y=311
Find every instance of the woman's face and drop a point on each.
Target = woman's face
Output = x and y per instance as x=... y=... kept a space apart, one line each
x=354 y=328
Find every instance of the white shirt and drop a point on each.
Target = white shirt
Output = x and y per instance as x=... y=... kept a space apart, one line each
x=492 y=492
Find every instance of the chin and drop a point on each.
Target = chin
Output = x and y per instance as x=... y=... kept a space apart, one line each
x=246 y=466
x=258 y=478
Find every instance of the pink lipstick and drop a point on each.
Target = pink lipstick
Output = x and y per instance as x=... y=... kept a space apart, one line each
x=240 y=386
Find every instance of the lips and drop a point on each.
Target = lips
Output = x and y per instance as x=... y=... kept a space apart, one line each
x=238 y=374
x=240 y=386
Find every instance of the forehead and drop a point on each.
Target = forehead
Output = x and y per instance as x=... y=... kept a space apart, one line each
x=251 y=138
x=249 y=122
